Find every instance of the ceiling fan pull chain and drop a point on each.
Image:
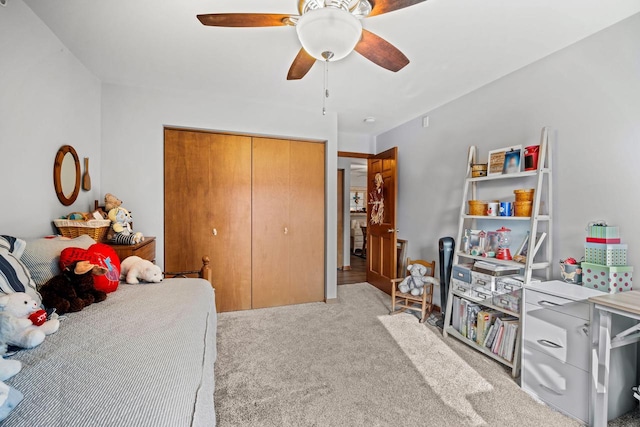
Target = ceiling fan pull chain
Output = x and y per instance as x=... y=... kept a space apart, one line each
x=326 y=88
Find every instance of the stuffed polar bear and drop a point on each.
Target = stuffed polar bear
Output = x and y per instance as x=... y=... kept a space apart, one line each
x=414 y=283
x=134 y=268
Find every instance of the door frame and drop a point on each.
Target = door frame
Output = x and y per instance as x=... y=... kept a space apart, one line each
x=345 y=240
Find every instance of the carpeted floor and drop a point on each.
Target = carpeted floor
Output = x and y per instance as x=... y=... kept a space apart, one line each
x=351 y=364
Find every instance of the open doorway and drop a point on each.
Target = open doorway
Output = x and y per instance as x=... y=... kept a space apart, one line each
x=353 y=243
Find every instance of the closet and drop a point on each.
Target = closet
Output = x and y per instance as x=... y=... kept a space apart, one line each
x=255 y=206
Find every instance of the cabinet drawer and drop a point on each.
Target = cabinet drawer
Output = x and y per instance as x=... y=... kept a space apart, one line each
x=563 y=305
x=559 y=335
x=558 y=384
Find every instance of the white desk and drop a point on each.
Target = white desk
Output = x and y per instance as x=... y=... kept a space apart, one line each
x=625 y=304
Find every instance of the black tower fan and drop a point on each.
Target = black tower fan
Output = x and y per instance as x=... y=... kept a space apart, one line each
x=446 y=245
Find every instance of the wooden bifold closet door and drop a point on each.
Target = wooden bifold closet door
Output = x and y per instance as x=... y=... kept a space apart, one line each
x=256 y=206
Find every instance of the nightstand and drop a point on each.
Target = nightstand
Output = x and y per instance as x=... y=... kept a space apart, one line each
x=145 y=249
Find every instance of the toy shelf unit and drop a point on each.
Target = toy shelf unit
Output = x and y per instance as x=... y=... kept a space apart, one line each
x=491 y=272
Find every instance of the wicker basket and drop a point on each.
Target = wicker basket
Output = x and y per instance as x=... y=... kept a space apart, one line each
x=477 y=207
x=94 y=228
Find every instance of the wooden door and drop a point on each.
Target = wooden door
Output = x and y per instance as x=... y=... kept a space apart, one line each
x=270 y=213
x=306 y=219
x=208 y=210
x=288 y=222
x=381 y=222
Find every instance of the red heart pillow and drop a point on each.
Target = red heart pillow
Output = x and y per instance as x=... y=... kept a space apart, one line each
x=98 y=254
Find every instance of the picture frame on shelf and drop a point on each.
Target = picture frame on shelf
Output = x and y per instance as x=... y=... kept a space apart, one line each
x=496 y=162
x=512 y=159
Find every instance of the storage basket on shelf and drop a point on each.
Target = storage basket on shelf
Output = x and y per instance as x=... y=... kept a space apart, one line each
x=477 y=207
x=94 y=228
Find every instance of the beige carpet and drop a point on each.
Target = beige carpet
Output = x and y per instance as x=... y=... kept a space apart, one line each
x=351 y=364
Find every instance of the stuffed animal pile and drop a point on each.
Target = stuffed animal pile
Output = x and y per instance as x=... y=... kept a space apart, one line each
x=23 y=324
x=414 y=283
x=120 y=232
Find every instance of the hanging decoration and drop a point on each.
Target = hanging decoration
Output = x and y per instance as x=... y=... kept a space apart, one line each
x=376 y=200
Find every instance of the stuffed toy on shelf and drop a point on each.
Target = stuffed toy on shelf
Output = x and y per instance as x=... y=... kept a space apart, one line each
x=121 y=232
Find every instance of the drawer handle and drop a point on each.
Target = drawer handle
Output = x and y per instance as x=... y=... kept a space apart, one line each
x=482 y=296
x=549 y=389
x=546 y=303
x=548 y=343
x=481 y=282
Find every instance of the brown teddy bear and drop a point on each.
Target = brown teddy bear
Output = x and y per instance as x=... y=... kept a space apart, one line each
x=73 y=289
x=111 y=202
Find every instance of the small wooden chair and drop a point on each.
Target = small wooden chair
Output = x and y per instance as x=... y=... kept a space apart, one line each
x=407 y=301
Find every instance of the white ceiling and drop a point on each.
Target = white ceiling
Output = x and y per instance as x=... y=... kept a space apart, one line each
x=455 y=46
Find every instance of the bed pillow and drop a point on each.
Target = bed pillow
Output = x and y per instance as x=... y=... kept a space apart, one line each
x=15 y=277
x=13 y=244
x=41 y=256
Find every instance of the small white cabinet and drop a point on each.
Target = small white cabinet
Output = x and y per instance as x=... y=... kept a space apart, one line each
x=556 y=350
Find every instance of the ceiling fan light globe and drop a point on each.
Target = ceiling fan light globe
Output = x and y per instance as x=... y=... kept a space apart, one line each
x=329 y=30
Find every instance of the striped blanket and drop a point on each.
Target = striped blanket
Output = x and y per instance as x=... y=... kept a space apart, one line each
x=143 y=357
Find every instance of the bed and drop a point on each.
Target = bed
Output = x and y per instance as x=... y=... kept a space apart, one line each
x=143 y=357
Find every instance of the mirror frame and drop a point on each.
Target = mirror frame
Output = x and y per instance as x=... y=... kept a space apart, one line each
x=57 y=179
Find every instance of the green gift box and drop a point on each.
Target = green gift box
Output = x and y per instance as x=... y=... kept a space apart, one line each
x=603 y=231
x=605 y=278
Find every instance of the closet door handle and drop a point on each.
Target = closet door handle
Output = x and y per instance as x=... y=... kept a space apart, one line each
x=286 y=230
x=585 y=328
x=215 y=232
x=548 y=343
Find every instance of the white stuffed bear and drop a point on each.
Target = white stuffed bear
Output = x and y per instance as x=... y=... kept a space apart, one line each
x=134 y=268
x=414 y=283
x=8 y=367
x=17 y=329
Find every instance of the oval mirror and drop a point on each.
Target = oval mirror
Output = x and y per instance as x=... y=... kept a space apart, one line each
x=66 y=175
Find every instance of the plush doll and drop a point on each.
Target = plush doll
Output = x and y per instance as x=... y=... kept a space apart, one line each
x=121 y=232
x=111 y=201
x=73 y=289
x=134 y=268
x=414 y=283
x=9 y=399
x=22 y=322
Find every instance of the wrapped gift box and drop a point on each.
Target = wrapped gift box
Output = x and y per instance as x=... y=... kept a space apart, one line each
x=610 y=279
x=603 y=232
x=599 y=253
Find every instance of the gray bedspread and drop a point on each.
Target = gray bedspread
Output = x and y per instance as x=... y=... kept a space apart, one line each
x=143 y=357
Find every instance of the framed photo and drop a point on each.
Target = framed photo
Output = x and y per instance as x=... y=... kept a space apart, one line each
x=496 y=162
x=505 y=160
x=512 y=157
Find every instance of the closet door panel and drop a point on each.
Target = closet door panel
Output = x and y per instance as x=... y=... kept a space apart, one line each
x=186 y=208
x=270 y=218
x=208 y=210
x=306 y=219
x=230 y=216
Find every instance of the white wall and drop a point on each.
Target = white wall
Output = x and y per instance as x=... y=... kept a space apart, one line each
x=356 y=143
x=589 y=93
x=47 y=99
x=132 y=148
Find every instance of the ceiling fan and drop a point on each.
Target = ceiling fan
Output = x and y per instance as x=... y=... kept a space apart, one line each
x=328 y=31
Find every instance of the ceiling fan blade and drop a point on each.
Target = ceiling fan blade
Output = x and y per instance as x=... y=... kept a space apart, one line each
x=381 y=52
x=244 y=19
x=384 y=6
x=301 y=65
